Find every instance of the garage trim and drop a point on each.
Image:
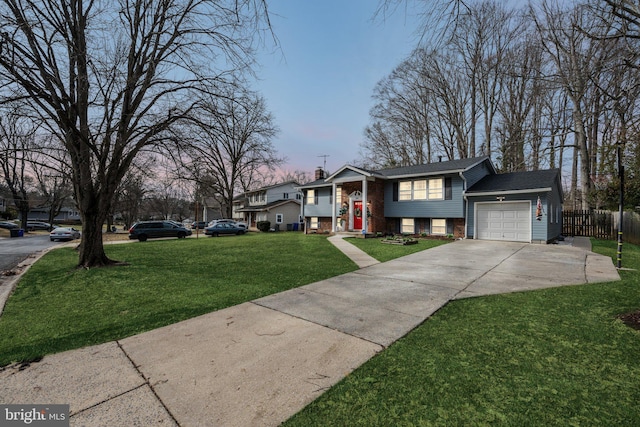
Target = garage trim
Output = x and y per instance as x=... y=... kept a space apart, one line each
x=519 y=207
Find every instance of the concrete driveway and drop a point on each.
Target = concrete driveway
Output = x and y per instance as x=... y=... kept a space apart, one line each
x=258 y=363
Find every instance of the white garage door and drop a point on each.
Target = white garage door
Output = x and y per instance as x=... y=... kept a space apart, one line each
x=504 y=221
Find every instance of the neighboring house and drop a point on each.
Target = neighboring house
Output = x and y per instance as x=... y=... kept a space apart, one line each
x=278 y=204
x=211 y=209
x=66 y=214
x=464 y=198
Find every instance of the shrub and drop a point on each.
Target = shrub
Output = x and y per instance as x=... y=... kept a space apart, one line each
x=263 y=225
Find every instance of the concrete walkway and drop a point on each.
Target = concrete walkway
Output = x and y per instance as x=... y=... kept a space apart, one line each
x=258 y=363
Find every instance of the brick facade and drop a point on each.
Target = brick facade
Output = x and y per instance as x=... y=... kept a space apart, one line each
x=375 y=203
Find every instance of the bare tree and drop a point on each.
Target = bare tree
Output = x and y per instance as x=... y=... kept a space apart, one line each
x=131 y=192
x=400 y=134
x=232 y=144
x=576 y=58
x=16 y=139
x=111 y=78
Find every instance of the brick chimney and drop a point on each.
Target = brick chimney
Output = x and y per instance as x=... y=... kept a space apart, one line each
x=319 y=173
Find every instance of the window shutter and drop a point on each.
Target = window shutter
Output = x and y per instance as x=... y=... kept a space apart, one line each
x=315 y=197
x=395 y=191
x=448 y=192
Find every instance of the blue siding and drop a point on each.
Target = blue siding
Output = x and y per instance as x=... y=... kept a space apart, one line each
x=453 y=208
x=476 y=174
x=348 y=173
x=553 y=209
x=324 y=206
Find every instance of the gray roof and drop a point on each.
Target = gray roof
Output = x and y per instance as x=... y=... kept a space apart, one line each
x=433 y=168
x=267 y=206
x=531 y=180
x=450 y=166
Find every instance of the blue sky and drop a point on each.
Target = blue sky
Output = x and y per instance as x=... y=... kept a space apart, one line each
x=319 y=84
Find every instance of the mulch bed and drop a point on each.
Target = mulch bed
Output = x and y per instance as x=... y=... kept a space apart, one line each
x=631 y=319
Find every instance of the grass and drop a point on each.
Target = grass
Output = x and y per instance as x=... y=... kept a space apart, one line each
x=550 y=357
x=384 y=253
x=56 y=307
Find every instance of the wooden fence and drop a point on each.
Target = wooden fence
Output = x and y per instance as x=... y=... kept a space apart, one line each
x=601 y=224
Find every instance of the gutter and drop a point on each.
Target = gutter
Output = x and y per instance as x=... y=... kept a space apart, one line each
x=507 y=192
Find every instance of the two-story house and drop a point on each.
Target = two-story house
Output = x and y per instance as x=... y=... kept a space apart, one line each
x=279 y=204
x=464 y=198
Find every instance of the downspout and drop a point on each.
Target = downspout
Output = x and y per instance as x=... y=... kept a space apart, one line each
x=466 y=202
x=334 y=207
x=302 y=211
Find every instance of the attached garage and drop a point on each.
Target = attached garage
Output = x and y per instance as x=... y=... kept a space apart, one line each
x=505 y=207
x=509 y=221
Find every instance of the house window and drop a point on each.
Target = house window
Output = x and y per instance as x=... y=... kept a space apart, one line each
x=439 y=226
x=420 y=190
x=279 y=218
x=407 y=226
x=285 y=196
x=338 y=196
x=435 y=189
x=314 y=222
x=405 y=190
x=311 y=197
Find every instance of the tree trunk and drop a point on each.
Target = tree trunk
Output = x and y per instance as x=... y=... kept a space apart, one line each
x=585 y=159
x=91 y=248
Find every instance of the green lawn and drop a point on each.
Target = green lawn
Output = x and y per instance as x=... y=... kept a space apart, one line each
x=56 y=307
x=383 y=252
x=550 y=357
x=555 y=357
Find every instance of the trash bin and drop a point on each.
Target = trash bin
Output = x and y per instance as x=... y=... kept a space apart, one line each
x=16 y=232
x=289 y=227
x=295 y=226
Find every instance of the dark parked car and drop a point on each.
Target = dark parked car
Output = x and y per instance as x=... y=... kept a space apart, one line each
x=8 y=225
x=224 y=228
x=200 y=225
x=39 y=225
x=228 y=221
x=151 y=229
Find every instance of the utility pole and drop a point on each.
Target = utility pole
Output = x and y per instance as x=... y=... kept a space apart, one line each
x=620 y=207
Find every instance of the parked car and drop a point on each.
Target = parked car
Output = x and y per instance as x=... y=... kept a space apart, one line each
x=64 y=233
x=228 y=221
x=151 y=229
x=8 y=225
x=199 y=225
x=224 y=228
x=39 y=225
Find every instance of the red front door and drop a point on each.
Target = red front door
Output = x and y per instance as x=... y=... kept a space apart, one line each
x=357 y=215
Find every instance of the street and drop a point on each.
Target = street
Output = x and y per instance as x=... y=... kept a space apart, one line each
x=15 y=250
